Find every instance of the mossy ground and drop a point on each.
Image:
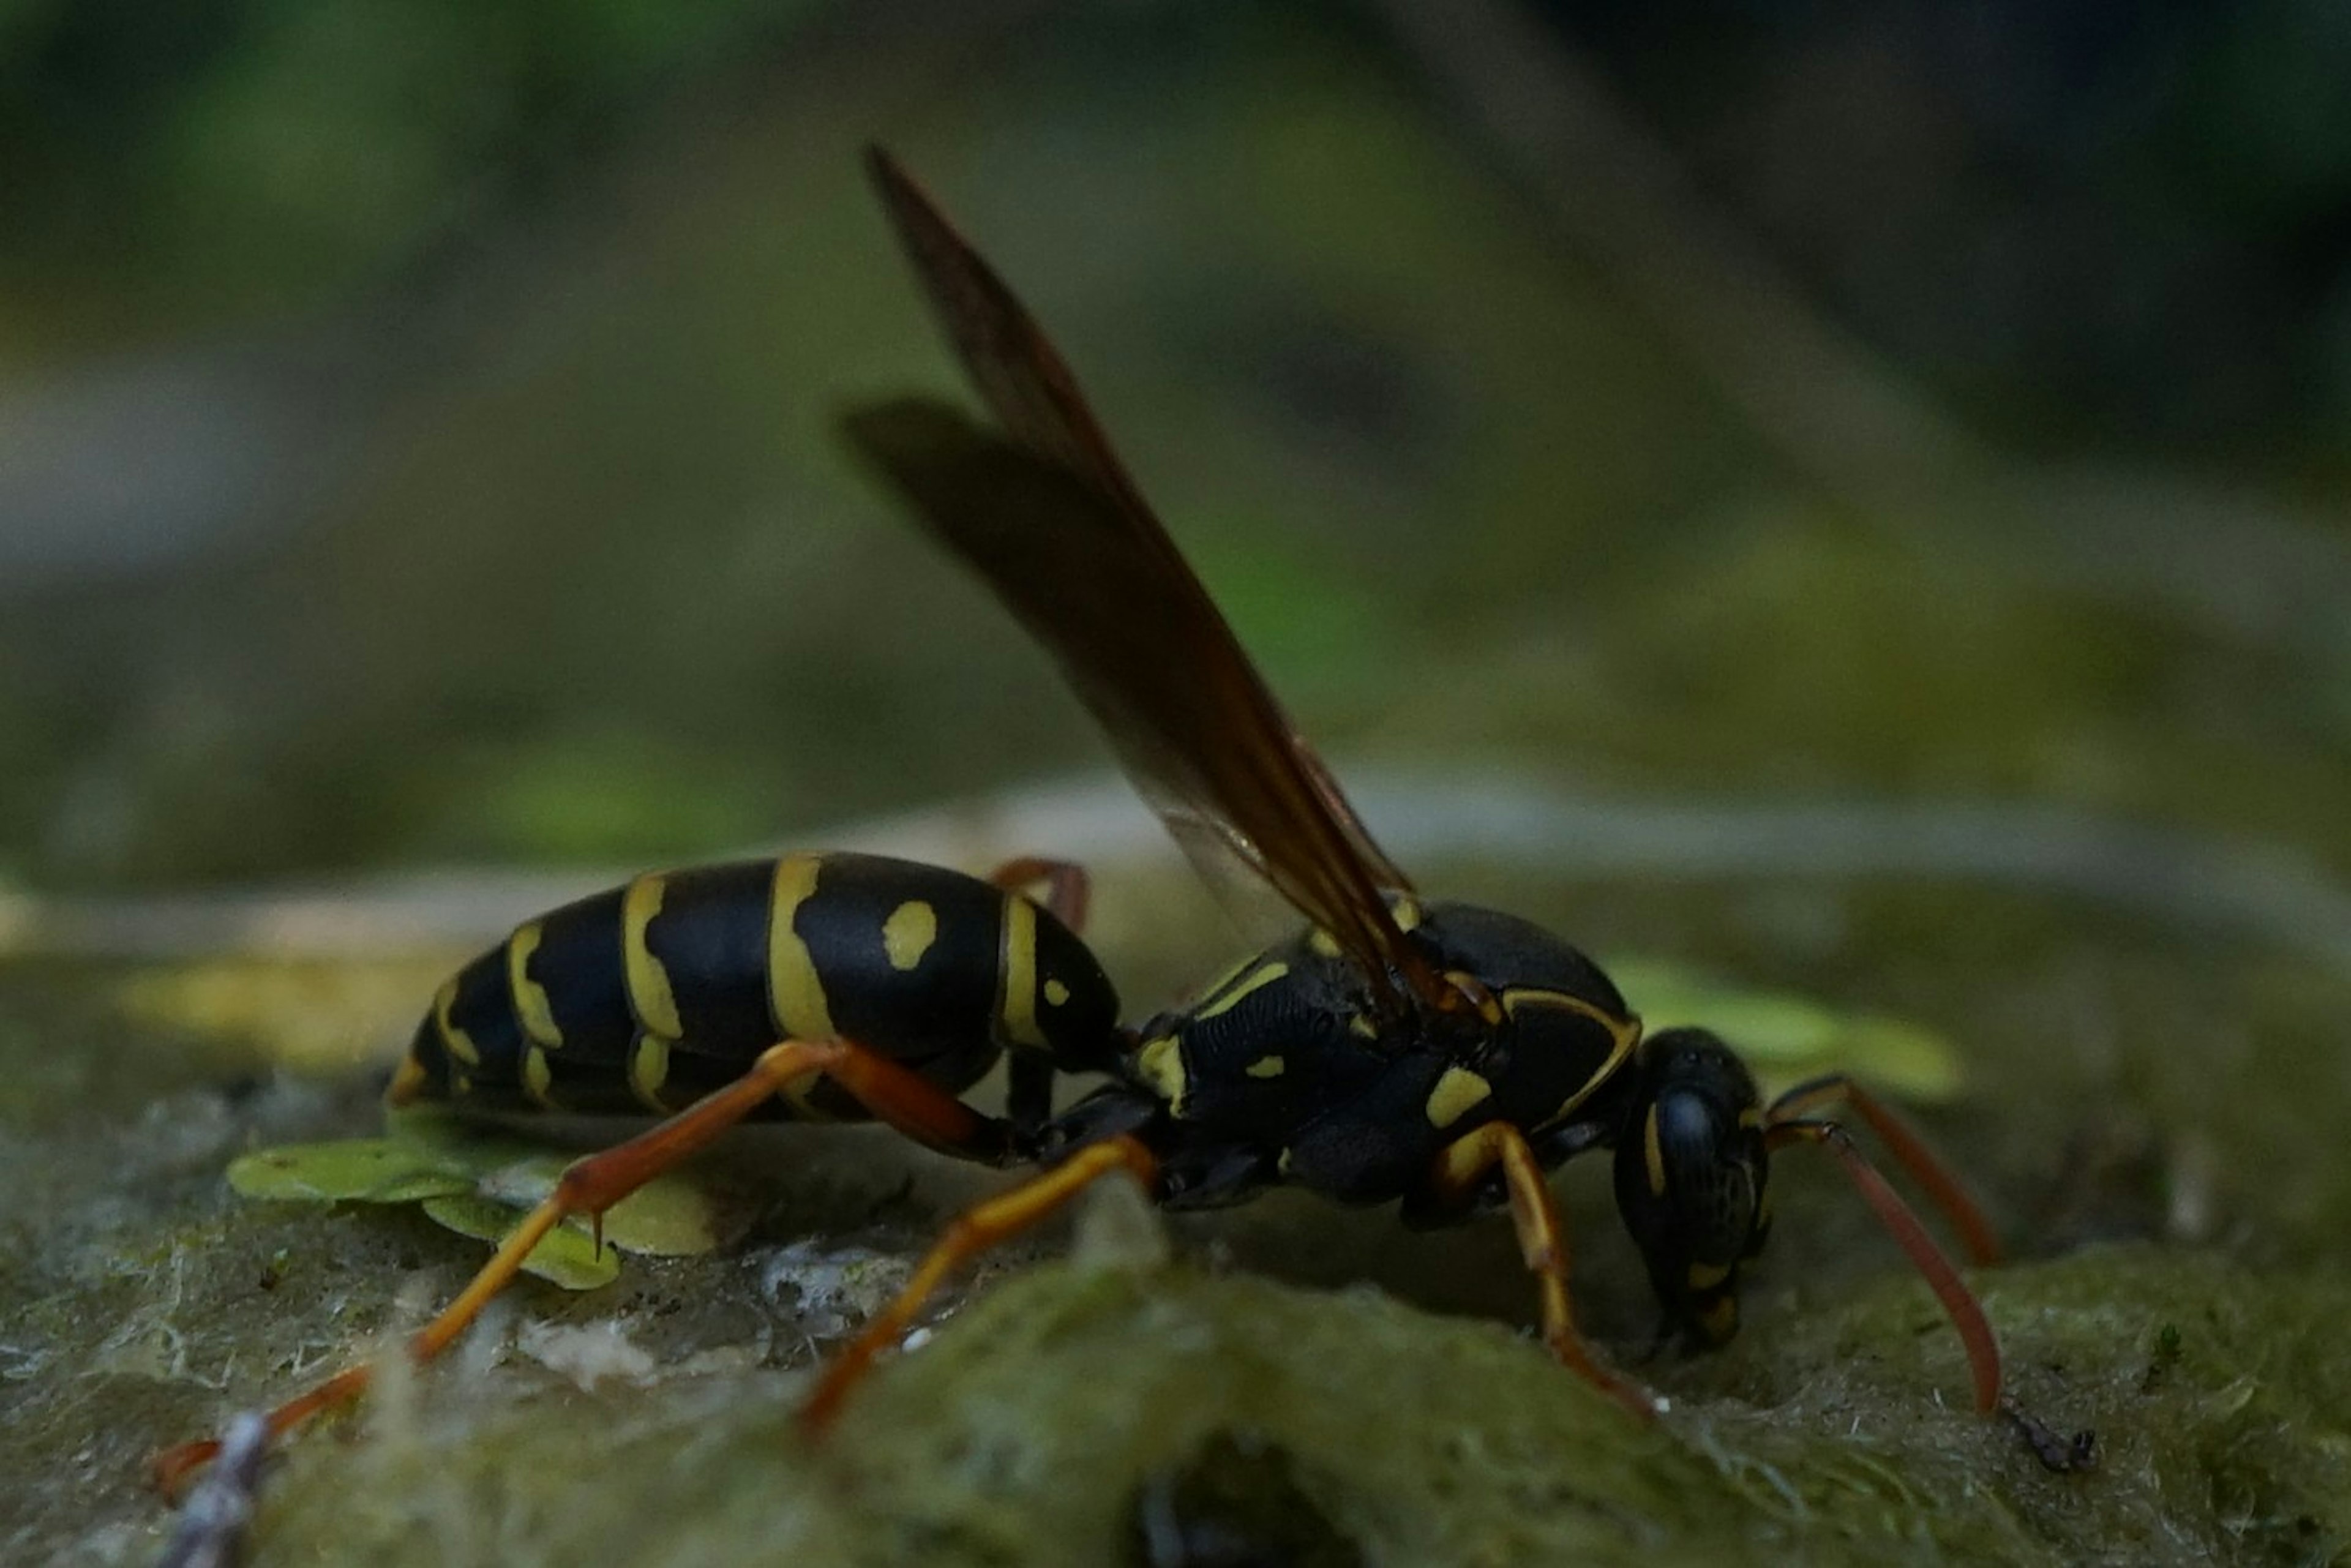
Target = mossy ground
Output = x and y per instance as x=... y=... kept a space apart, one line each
x=1071 y=1390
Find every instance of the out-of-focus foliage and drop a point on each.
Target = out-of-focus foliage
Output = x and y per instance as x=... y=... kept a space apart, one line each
x=242 y=155
x=1787 y=1039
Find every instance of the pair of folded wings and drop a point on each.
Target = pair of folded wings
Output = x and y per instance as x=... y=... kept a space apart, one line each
x=1042 y=509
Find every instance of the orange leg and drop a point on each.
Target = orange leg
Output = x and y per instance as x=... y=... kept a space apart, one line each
x=980 y=1228
x=1542 y=1239
x=1065 y=882
x=904 y=1099
x=1967 y=1313
x=1903 y=1141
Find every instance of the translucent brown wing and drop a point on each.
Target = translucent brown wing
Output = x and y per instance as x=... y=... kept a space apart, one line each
x=1045 y=513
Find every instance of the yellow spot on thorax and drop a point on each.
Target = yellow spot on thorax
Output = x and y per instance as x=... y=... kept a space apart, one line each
x=1256 y=979
x=648 y=1069
x=1017 y=1010
x=796 y=1002
x=1707 y=1276
x=909 y=932
x=649 y=996
x=1454 y=1095
x=1362 y=1027
x=1056 y=993
x=455 y=1041
x=1266 y=1067
x=530 y=1001
x=1160 y=1065
x=1322 y=944
x=1405 y=913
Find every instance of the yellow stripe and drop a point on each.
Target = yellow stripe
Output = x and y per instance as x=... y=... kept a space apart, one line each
x=539 y=1078
x=648 y=1069
x=1231 y=973
x=1018 y=1011
x=1654 y=1153
x=1255 y=980
x=455 y=1041
x=795 y=991
x=1704 y=1276
x=649 y=996
x=530 y=1001
x=1455 y=1094
x=1623 y=1034
x=409 y=1081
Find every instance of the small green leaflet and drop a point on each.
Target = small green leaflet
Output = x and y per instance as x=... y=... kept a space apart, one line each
x=479 y=1184
x=1787 y=1039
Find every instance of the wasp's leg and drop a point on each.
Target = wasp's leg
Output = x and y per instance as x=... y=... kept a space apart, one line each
x=1461 y=1167
x=1903 y=1141
x=904 y=1099
x=1028 y=1074
x=977 y=1229
x=1967 y=1313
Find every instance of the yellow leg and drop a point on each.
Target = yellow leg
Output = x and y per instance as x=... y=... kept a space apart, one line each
x=976 y=1230
x=1542 y=1241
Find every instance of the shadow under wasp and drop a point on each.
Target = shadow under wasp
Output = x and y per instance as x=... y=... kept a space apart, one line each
x=1434 y=1055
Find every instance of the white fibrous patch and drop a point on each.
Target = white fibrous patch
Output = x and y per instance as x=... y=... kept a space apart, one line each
x=587 y=1354
x=835 y=1289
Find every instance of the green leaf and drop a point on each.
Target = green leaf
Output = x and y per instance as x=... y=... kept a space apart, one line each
x=566 y=1256
x=1787 y=1039
x=481 y=1183
x=356 y=1170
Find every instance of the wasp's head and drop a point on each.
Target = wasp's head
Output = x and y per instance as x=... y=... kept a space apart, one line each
x=1690 y=1173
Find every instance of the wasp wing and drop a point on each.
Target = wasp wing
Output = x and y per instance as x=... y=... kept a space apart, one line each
x=1047 y=516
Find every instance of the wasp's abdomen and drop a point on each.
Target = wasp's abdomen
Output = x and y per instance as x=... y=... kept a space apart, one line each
x=640 y=999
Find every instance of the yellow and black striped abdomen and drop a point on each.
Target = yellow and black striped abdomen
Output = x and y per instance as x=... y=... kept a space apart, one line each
x=639 y=1000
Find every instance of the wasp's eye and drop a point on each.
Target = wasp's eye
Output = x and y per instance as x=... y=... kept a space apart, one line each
x=1690 y=1176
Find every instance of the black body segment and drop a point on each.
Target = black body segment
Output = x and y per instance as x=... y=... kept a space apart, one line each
x=1286 y=1054
x=642 y=998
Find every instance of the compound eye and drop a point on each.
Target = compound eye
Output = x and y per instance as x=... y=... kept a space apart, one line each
x=1711 y=1183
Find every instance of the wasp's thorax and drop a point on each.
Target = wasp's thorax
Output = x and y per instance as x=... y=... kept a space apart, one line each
x=1690 y=1176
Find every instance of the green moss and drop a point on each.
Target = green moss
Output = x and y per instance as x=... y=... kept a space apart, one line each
x=1028 y=1428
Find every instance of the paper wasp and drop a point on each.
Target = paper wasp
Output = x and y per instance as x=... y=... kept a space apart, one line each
x=1438 y=1056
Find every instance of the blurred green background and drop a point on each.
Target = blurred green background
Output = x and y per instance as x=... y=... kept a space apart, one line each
x=414 y=438
x=1846 y=496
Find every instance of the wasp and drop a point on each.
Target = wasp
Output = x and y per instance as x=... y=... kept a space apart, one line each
x=1434 y=1055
